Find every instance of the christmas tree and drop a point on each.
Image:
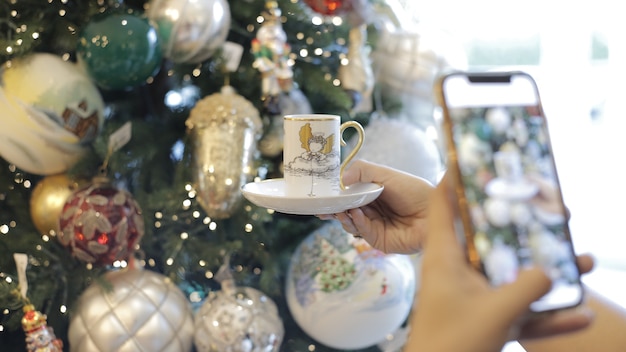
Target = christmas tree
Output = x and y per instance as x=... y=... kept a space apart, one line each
x=119 y=116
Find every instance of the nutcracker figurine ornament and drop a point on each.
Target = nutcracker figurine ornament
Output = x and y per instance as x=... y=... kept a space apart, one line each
x=39 y=337
x=271 y=52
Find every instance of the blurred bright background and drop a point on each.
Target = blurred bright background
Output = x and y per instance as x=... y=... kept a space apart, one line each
x=577 y=53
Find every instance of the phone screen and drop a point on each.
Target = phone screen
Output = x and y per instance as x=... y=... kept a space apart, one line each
x=511 y=204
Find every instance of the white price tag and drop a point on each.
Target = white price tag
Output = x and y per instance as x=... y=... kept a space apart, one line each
x=120 y=137
x=232 y=53
x=21 y=261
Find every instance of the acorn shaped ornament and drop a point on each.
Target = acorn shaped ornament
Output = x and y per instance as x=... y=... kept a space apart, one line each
x=224 y=129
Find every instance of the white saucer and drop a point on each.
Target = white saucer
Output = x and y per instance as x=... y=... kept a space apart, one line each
x=271 y=194
x=518 y=190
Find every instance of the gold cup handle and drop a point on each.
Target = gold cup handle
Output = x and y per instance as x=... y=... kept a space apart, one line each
x=350 y=156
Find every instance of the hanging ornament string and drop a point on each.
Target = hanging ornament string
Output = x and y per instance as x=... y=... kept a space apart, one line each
x=225 y=276
x=117 y=140
x=231 y=58
x=21 y=261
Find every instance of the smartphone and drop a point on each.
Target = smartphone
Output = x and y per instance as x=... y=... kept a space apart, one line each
x=511 y=208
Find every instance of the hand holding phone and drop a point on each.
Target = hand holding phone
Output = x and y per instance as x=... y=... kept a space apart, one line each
x=510 y=202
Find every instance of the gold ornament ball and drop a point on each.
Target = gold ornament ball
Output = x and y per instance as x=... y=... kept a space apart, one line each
x=47 y=200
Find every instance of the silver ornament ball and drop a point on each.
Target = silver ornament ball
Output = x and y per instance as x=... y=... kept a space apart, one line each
x=239 y=319
x=141 y=311
x=190 y=30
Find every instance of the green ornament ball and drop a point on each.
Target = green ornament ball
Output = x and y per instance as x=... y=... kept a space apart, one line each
x=119 y=51
x=481 y=128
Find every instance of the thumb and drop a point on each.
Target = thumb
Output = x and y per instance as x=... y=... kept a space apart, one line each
x=516 y=297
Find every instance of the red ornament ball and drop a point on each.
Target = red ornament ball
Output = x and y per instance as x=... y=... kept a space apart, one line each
x=329 y=7
x=101 y=223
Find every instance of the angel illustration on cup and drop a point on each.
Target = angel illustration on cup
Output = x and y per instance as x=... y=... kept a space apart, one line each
x=319 y=159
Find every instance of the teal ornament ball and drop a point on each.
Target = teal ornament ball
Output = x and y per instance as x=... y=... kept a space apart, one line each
x=481 y=128
x=119 y=51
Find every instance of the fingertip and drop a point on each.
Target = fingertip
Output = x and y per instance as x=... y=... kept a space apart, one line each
x=326 y=216
x=513 y=300
x=586 y=263
x=530 y=285
x=536 y=280
x=586 y=314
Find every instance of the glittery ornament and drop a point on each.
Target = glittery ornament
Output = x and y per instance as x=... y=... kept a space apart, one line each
x=47 y=200
x=101 y=223
x=119 y=50
x=136 y=310
x=39 y=337
x=50 y=112
x=238 y=319
x=346 y=294
x=190 y=30
x=224 y=128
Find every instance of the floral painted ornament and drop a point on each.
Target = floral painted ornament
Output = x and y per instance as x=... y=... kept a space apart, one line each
x=101 y=223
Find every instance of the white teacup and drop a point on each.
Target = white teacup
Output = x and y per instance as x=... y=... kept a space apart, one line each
x=508 y=165
x=312 y=154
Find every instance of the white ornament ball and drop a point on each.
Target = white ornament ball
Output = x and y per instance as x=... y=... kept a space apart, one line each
x=238 y=319
x=345 y=294
x=140 y=311
x=190 y=30
x=472 y=152
x=521 y=214
x=498 y=211
x=500 y=119
x=501 y=263
x=49 y=112
x=401 y=145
